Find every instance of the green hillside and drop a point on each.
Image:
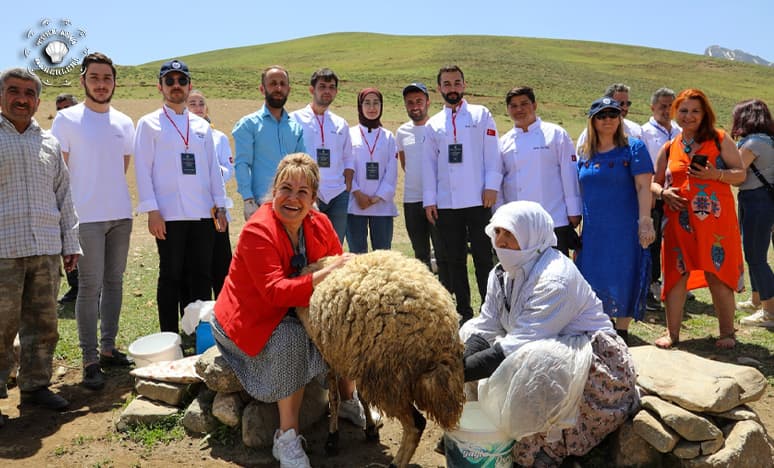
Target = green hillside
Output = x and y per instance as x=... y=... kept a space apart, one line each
x=567 y=75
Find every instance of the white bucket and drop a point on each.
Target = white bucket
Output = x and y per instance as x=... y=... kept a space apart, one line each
x=164 y=346
x=477 y=442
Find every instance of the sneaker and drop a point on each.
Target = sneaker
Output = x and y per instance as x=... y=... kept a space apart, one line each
x=652 y=304
x=288 y=449
x=746 y=306
x=689 y=296
x=352 y=411
x=93 y=378
x=759 y=319
x=45 y=398
x=117 y=359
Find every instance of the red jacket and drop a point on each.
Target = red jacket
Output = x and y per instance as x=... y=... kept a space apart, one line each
x=258 y=291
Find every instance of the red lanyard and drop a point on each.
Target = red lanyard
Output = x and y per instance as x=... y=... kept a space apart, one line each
x=187 y=128
x=454 y=124
x=321 y=123
x=370 y=148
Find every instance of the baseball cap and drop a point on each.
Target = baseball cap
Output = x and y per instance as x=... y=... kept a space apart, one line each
x=415 y=86
x=174 y=66
x=602 y=104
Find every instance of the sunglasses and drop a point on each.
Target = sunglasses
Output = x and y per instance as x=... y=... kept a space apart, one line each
x=625 y=103
x=610 y=114
x=170 y=80
x=297 y=262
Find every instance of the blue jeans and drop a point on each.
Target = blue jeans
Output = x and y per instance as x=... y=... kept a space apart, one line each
x=105 y=247
x=357 y=232
x=756 y=217
x=336 y=211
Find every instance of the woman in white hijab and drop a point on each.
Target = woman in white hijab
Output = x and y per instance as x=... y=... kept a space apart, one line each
x=542 y=328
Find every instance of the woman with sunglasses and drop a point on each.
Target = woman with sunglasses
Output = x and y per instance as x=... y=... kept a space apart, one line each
x=255 y=326
x=702 y=245
x=615 y=172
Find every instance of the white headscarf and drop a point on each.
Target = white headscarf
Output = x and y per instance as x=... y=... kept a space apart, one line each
x=530 y=224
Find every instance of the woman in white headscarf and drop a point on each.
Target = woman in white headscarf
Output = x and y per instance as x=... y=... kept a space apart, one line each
x=544 y=344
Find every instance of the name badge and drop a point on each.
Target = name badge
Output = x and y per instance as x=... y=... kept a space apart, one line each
x=188 y=163
x=324 y=157
x=372 y=170
x=455 y=153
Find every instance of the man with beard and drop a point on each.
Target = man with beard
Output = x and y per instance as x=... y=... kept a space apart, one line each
x=96 y=142
x=263 y=138
x=180 y=186
x=39 y=224
x=410 y=139
x=539 y=165
x=326 y=136
x=461 y=174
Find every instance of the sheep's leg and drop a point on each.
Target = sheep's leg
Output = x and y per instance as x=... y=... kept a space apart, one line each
x=371 y=431
x=332 y=442
x=413 y=424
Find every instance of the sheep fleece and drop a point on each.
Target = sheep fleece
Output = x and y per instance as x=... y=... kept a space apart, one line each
x=385 y=321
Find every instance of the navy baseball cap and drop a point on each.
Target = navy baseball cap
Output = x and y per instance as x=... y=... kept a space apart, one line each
x=174 y=66
x=415 y=86
x=602 y=104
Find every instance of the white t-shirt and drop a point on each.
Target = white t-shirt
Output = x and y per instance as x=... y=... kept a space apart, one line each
x=410 y=138
x=97 y=143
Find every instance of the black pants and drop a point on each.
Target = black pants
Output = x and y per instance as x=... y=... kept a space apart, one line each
x=221 y=260
x=566 y=236
x=455 y=228
x=421 y=232
x=186 y=253
x=657 y=213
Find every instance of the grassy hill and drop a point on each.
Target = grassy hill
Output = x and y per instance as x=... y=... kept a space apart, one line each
x=566 y=75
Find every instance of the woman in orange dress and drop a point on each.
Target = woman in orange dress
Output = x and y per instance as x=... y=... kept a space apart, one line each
x=702 y=245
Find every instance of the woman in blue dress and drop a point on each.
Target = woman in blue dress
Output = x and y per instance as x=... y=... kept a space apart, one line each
x=615 y=174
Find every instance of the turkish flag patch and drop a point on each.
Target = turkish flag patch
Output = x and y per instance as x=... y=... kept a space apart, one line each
x=574 y=158
x=490 y=132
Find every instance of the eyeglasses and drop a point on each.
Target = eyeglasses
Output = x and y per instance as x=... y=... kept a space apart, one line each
x=170 y=80
x=610 y=114
x=624 y=103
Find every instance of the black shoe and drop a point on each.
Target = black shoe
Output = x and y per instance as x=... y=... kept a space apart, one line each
x=45 y=398
x=652 y=304
x=118 y=359
x=69 y=296
x=93 y=377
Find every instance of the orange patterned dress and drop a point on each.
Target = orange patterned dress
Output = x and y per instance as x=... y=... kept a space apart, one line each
x=705 y=237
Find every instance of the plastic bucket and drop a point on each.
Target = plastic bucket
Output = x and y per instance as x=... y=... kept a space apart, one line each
x=477 y=442
x=204 y=339
x=164 y=346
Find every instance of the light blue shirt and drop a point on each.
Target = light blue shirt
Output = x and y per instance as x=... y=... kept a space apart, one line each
x=260 y=143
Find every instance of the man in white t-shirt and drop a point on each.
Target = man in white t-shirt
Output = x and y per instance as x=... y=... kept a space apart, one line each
x=620 y=93
x=410 y=138
x=655 y=133
x=96 y=142
x=327 y=140
x=461 y=174
x=539 y=165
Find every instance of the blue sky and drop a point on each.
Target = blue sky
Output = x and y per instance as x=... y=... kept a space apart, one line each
x=138 y=31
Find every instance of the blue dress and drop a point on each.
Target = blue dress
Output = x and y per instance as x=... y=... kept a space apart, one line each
x=611 y=258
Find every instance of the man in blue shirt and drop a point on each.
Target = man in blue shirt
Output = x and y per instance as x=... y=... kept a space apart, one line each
x=263 y=138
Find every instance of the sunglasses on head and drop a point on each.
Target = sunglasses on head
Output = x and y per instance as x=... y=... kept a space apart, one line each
x=170 y=80
x=624 y=103
x=607 y=114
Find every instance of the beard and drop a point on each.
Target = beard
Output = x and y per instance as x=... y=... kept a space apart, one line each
x=275 y=102
x=417 y=116
x=452 y=98
x=99 y=101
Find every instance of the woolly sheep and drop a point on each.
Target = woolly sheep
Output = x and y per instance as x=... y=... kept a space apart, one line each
x=384 y=321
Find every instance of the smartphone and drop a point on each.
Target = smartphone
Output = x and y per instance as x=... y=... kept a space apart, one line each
x=699 y=160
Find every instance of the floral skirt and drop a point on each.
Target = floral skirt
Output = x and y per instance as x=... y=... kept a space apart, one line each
x=609 y=397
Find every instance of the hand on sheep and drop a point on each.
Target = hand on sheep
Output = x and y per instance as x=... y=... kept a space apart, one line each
x=337 y=262
x=482 y=364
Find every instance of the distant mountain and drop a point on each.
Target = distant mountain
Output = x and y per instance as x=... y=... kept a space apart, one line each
x=736 y=55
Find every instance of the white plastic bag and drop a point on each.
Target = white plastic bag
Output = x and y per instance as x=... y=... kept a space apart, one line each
x=195 y=312
x=538 y=388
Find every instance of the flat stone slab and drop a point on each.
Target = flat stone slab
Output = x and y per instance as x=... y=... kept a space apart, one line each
x=142 y=410
x=695 y=383
x=690 y=426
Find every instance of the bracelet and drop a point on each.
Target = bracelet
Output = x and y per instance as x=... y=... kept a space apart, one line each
x=720 y=178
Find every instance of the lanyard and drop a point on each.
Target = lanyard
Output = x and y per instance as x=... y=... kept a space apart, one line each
x=664 y=131
x=371 y=149
x=187 y=128
x=321 y=123
x=454 y=124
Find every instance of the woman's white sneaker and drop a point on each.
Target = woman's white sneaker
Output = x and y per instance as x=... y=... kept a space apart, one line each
x=746 y=306
x=288 y=449
x=759 y=319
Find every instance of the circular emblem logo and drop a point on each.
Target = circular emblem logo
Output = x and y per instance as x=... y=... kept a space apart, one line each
x=54 y=49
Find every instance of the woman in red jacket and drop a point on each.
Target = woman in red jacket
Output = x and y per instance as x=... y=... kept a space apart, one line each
x=255 y=325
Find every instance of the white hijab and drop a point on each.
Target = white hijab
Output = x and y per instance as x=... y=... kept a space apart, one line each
x=530 y=224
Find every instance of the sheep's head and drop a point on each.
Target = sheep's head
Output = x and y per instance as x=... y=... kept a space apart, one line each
x=440 y=389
